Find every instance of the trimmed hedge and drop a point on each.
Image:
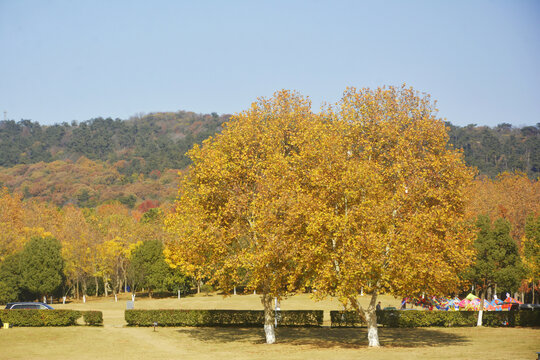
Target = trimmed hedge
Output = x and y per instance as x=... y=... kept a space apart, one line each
x=420 y=318
x=93 y=318
x=300 y=318
x=25 y=317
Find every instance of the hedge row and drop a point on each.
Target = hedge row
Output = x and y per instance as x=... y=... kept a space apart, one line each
x=50 y=317
x=221 y=317
x=420 y=318
x=93 y=318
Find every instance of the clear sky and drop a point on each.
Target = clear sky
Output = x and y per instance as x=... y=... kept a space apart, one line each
x=67 y=60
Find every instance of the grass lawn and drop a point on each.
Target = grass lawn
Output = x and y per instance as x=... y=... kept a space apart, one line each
x=114 y=341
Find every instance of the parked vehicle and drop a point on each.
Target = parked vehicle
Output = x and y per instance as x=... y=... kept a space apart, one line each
x=28 y=305
x=535 y=307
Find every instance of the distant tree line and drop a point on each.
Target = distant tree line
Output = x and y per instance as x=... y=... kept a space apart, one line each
x=159 y=141
x=499 y=149
x=152 y=142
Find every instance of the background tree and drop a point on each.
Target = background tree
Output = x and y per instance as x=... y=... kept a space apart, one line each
x=497 y=258
x=511 y=196
x=383 y=198
x=178 y=281
x=116 y=231
x=42 y=266
x=147 y=268
x=12 y=225
x=531 y=253
x=10 y=279
x=78 y=246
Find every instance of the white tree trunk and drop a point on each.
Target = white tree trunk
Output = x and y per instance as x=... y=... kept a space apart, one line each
x=269 y=329
x=373 y=331
x=371 y=318
x=270 y=333
x=481 y=312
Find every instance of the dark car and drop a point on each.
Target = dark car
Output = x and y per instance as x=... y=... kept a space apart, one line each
x=28 y=305
x=535 y=307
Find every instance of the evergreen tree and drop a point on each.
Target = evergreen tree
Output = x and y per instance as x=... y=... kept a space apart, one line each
x=42 y=266
x=10 y=279
x=497 y=260
x=148 y=268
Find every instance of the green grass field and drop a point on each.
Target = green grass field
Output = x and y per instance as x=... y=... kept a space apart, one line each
x=115 y=341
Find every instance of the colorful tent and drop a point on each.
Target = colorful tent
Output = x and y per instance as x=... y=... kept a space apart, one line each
x=511 y=300
x=497 y=302
x=469 y=303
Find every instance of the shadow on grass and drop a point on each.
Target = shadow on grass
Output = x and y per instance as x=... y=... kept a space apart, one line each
x=328 y=337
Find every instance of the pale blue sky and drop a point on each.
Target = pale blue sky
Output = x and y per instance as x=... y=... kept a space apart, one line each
x=74 y=60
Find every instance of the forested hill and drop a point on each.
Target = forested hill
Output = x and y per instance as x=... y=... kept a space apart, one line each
x=131 y=160
x=156 y=141
x=499 y=149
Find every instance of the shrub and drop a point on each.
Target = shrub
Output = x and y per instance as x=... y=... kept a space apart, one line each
x=93 y=318
x=301 y=318
x=419 y=318
x=220 y=317
x=511 y=318
x=40 y=317
x=207 y=289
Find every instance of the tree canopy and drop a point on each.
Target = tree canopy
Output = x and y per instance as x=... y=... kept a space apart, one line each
x=497 y=257
x=365 y=195
x=42 y=266
x=147 y=268
x=233 y=217
x=384 y=200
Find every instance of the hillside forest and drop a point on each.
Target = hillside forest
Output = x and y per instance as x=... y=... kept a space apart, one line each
x=102 y=188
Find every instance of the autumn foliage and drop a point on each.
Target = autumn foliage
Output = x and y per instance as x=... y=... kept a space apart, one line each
x=364 y=196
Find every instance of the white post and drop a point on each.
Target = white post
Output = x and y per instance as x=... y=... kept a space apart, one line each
x=84 y=298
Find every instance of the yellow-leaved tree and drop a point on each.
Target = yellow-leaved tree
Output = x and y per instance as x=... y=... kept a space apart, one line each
x=12 y=236
x=511 y=196
x=77 y=248
x=115 y=235
x=366 y=195
x=384 y=201
x=234 y=218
